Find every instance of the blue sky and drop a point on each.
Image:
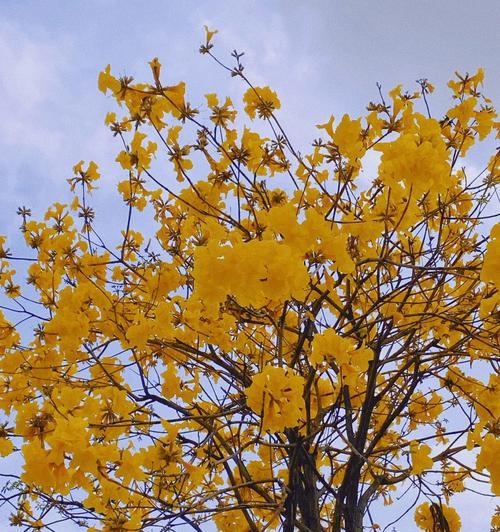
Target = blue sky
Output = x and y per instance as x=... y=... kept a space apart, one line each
x=322 y=57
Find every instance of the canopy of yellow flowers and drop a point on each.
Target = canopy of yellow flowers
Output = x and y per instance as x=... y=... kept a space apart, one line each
x=278 y=321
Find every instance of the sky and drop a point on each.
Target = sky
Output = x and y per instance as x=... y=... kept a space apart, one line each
x=321 y=56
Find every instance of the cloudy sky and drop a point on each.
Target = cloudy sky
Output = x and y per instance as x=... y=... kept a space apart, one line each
x=322 y=56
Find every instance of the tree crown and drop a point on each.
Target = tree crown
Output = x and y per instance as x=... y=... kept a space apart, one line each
x=287 y=342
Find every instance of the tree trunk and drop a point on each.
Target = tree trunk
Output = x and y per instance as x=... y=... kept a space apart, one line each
x=303 y=493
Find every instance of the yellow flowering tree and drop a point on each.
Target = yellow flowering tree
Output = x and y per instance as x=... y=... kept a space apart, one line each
x=284 y=343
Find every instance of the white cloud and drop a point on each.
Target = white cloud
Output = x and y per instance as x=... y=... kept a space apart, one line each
x=49 y=120
x=31 y=74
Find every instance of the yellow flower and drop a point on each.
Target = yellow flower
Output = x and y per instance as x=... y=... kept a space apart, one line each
x=490 y=271
x=420 y=459
x=209 y=34
x=488 y=458
x=261 y=101
x=6 y=446
x=437 y=517
x=107 y=81
x=347 y=137
x=276 y=395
